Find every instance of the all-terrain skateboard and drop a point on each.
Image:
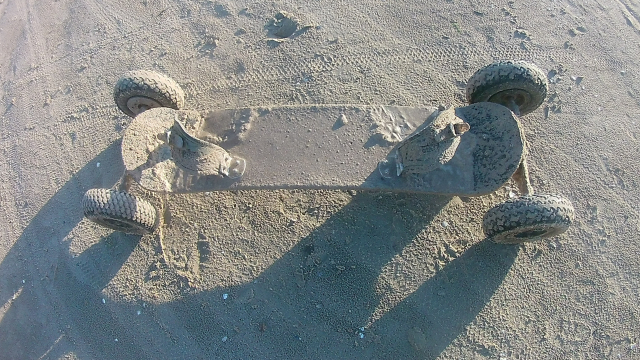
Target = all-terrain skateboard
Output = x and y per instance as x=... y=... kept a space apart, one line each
x=465 y=151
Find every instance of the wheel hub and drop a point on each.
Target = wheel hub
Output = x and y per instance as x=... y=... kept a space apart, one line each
x=518 y=97
x=138 y=104
x=533 y=233
x=117 y=224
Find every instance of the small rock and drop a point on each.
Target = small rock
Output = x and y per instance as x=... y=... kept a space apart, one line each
x=224 y=339
x=342 y=120
x=445 y=224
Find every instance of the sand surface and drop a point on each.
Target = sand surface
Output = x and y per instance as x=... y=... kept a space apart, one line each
x=315 y=274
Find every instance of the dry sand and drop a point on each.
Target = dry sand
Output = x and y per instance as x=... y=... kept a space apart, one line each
x=297 y=274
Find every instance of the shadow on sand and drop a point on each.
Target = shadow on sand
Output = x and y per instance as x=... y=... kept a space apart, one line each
x=309 y=304
x=46 y=311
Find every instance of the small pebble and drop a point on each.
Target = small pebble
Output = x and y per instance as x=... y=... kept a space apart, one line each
x=104 y=301
x=225 y=296
x=445 y=224
x=97 y=164
x=224 y=339
x=512 y=194
x=361 y=335
x=138 y=312
x=23 y=281
x=116 y=340
x=343 y=120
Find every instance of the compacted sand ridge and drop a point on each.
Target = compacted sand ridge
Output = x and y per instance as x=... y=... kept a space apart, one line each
x=315 y=274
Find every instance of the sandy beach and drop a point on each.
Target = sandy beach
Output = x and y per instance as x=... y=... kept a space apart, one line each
x=315 y=274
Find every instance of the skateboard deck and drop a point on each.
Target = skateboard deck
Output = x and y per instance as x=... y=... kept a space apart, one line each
x=317 y=147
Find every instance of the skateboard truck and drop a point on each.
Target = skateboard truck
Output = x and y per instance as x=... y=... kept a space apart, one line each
x=201 y=156
x=428 y=148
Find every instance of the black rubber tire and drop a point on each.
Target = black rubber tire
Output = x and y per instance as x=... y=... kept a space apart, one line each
x=119 y=210
x=528 y=218
x=519 y=79
x=147 y=84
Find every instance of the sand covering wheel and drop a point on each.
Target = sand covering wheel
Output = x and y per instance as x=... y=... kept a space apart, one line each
x=119 y=210
x=518 y=85
x=528 y=218
x=141 y=90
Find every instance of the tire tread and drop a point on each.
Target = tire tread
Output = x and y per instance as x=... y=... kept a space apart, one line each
x=505 y=75
x=139 y=214
x=150 y=84
x=552 y=211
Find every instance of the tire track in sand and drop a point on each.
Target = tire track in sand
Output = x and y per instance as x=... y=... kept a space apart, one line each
x=630 y=12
